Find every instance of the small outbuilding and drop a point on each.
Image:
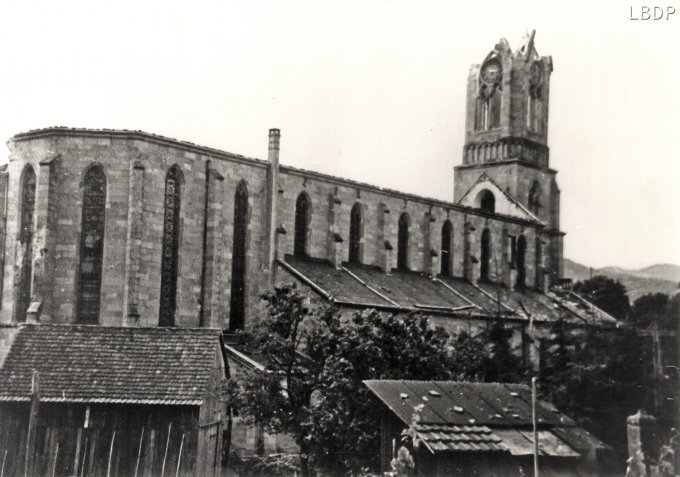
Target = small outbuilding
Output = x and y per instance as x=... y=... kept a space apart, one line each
x=80 y=400
x=481 y=429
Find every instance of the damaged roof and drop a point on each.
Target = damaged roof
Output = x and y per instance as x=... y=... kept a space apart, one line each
x=104 y=364
x=463 y=416
x=367 y=286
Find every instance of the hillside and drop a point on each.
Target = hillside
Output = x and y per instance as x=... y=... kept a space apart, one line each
x=661 y=278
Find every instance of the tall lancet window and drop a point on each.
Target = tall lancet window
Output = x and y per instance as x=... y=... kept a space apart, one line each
x=91 y=245
x=521 y=259
x=535 y=98
x=355 y=227
x=169 y=257
x=26 y=242
x=447 y=248
x=302 y=217
x=238 y=260
x=403 y=241
x=485 y=255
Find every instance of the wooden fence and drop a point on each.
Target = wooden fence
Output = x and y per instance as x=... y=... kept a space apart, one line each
x=131 y=450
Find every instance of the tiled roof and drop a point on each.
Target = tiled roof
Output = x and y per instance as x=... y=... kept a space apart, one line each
x=81 y=363
x=459 y=438
x=454 y=415
x=368 y=286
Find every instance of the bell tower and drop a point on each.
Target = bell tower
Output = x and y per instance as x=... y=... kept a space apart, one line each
x=506 y=136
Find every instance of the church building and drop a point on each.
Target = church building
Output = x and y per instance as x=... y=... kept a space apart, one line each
x=127 y=228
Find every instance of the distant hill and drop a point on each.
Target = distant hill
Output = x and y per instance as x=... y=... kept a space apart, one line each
x=661 y=278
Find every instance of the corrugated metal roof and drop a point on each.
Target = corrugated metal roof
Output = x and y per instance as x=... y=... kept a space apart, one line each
x=579 y=438
x=522 y=443
x=453 y=415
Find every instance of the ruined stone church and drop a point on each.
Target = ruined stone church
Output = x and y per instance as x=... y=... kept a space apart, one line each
x=127 y=228
x=126 y=258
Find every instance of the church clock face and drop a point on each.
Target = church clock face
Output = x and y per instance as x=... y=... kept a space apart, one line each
x=535 y=74
x=492 y=71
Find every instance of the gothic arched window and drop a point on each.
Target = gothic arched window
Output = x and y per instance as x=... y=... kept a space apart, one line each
x=355 y=227
x=170 y=253
x=447 y=248
x=534 y=199
x=91 y=245
x=238 y=260
x=403 y=241
x=302 y=216
x=534 y=109
x=485 y=255
x=521 y=259
x=488 y=108
x=26 y=242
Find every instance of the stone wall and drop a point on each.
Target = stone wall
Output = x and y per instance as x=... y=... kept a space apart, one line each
x=136 y=165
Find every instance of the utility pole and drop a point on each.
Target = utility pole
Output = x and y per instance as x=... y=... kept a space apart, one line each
x=533 y=421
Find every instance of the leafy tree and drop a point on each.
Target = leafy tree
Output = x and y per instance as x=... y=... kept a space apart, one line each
x=656 y=309
x=500 y=364
x=371 y=346
x=313 y=389
x=317 y=361
x=608 y=294
x=597 y=376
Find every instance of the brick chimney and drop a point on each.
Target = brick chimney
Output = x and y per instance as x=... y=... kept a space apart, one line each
x=272 y=190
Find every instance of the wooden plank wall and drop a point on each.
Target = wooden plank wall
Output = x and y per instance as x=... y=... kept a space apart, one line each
x=142 y=441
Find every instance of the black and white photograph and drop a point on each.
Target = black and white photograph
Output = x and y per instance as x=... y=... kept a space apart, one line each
x=379 y=238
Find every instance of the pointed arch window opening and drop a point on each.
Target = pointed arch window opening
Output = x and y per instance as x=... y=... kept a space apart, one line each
x=535 y=109
x=91 y=245
x=355 y=233
x=26 y=231
x=403 y=242
x=488 y=108
x=302 y=219
x=170 y=249
x=447 y=249
x=238 y=263
x=485 y=256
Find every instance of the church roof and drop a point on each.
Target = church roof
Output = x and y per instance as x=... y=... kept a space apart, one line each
x=366 y=286
x=104 y=364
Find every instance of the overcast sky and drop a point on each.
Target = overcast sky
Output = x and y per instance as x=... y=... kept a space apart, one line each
x=372 y=91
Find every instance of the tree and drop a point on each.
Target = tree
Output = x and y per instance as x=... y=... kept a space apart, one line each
x=500 y=364
x=608 y=294
x=597 y=376
x=372 y=346
x=313 y=386
x=656 y=309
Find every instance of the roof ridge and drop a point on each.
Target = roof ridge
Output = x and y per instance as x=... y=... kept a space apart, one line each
x=118 y=327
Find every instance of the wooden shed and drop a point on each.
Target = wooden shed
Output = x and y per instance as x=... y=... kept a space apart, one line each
x=82 y=400
x=481 y=429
